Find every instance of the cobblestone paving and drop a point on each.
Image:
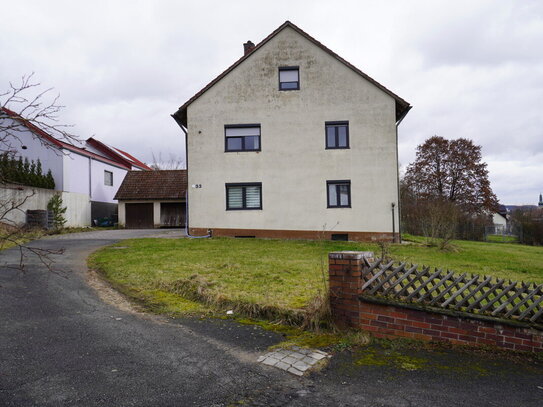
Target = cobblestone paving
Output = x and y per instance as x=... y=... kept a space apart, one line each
x=294 y=360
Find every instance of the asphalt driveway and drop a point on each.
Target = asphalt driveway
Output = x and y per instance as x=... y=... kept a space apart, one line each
x=61 y=345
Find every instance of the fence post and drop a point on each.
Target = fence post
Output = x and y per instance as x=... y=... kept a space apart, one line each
x=345 y=282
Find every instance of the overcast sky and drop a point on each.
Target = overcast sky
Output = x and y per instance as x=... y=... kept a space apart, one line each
x=470 y=69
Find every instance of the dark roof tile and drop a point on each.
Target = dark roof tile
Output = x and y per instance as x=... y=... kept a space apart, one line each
x=161 y=184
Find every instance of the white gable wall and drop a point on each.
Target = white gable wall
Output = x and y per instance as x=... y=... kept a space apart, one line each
x=81 y=171
x=36 y=148
x=294 y=165
x=76 y=173
x=100 y=191
x=499 y=220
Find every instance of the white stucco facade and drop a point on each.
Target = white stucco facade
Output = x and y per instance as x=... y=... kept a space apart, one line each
x=294 y=164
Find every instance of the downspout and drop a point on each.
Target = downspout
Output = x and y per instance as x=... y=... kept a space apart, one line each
x=398 y=180
x=187 y=191
x=393 y=222
x=90 y=178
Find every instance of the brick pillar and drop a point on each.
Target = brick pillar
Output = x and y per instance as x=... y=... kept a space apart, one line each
x=345 y=271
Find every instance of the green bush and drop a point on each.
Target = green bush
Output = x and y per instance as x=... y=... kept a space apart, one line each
x=55 y=206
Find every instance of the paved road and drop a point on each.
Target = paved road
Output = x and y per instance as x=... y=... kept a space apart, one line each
x=61 y=345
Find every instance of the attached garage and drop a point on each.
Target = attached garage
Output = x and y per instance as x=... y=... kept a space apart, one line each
x=139 y=215
x=153 y=199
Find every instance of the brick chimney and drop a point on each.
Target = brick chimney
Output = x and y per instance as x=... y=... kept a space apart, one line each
x=248 y=47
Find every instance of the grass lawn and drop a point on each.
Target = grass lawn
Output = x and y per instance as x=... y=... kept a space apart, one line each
x=284 y=275
x=502 y=239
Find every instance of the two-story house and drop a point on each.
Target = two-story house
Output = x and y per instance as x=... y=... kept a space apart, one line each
x=292 y=141
x=89 y=167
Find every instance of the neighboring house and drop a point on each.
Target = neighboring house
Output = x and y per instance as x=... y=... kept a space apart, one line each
x=500 y=223
x=91 y=168
x=150 y=199
x=292 y=141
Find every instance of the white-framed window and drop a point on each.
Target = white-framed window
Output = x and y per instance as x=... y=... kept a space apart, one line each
x=108 y=178
x=241 y=196
x=338 y=194
x=241 y=137
x=289 y=78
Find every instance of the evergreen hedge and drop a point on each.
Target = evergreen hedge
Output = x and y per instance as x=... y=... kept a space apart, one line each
x=24 y=172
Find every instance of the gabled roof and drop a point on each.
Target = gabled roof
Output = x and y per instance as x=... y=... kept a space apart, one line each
x=152 y=185
x=117 y=154
x=402 y=106
x=110 y=156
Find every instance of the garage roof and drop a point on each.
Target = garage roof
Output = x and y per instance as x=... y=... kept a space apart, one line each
x=160 y=184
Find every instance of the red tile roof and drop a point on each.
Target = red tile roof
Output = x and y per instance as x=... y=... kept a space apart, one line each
x=117 y=154
x=402 y=106
x=153 y=185
x=114 y=159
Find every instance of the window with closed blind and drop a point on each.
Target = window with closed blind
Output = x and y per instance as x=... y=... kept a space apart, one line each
x=242 y=137
x=244 y=196
x=289 y=78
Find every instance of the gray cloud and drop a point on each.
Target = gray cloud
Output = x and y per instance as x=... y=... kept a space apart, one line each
x=470 y=69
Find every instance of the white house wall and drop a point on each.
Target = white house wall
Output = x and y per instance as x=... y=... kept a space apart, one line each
x=81 y=171
x=101 y=192
x=499 y=220
x=36 y=148
x=294 y=165
x=76 y=173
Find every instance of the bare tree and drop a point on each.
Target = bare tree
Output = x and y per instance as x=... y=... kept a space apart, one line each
x=172 y=163
x=25 y=106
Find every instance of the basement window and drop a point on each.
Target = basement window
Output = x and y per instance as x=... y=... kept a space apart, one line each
x=344 y=237
x=289 y=78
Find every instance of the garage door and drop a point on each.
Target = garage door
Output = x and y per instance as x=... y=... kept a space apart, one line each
x=172 y=214
x=139 y=216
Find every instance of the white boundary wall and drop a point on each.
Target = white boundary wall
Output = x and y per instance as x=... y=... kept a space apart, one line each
x=78 y=205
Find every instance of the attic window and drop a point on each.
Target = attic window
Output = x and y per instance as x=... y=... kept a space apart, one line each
x=289 y=78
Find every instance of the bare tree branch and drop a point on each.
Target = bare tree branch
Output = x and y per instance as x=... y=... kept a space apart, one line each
x=26 y=108
x=172 y=163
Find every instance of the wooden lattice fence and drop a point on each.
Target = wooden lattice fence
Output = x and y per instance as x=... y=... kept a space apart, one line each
x=484 y=295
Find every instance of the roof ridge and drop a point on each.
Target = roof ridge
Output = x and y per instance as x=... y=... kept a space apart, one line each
x=402 y=106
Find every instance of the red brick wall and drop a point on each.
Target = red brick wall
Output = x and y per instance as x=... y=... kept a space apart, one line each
x=392 y=321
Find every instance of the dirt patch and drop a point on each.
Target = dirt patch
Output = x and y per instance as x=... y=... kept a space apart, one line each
x=112 y=297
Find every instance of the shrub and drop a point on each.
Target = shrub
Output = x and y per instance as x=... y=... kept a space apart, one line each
x=55 y=206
